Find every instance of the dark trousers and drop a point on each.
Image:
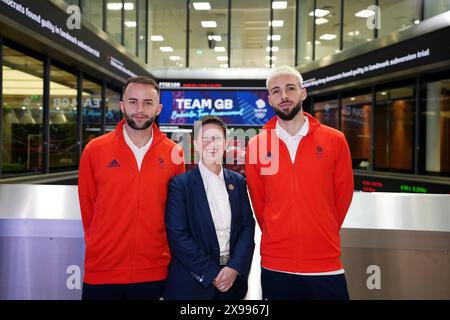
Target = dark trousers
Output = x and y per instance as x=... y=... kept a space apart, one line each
x=130 y=291
x=285 y=286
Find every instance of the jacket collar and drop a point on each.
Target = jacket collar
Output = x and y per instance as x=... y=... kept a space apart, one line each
x=158 y=135
x=313 y=123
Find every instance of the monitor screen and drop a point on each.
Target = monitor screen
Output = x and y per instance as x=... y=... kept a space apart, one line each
x=235 y=107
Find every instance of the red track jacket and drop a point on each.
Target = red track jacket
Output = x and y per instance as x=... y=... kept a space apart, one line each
x=123 y=209
x=300 y=207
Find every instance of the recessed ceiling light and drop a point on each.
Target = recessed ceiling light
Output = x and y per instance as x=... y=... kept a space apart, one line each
x=320 y=21
x=219 y=49
x=222 y=58
x=130 y=24
x=201 y=6
x=364 y=13
x=129 y=6
x=279 y=5
x=319 y=13
x=275 y=37
x=327 y=36
x=166 y=49
x=274 y=49
x=209 y=24
x=118 y=6
x=175 y=58
x=215 y=38
x=276 y=23
x=157 y=38
x=353 y=33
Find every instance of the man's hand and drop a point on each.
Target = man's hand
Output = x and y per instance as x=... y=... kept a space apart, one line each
x=225 y=279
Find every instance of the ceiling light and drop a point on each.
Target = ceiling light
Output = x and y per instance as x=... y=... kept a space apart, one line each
x=215 y=38
x=222 y=58
x=319 y=13
x=209 y=24
x=276 y=23
x=129 y=6
x=201 y=6
x=157 y=38
x=118 y=6
x=279 y=5
x=327 y=36
x=353 y=33
x=274 y=49
x=275 y=37
x=175 y=58
x=364 y=13
x=114 y=6
x=166 y=49
x=320 y=21
x=417 y=21
x=273 y=58
x=130 y=24
x=219 y=49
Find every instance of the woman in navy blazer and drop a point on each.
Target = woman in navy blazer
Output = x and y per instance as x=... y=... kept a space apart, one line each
x=197 y=269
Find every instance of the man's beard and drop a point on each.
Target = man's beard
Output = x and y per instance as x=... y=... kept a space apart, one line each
x=291 y=114
x=134 y=125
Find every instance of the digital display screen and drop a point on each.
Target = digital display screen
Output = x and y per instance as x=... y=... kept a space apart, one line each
x=381 y=184
x=235 y=107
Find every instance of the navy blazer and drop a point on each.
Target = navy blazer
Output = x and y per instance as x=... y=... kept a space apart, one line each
x=193 y=240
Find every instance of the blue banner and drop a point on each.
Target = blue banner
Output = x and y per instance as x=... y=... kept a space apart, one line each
x=235 y=107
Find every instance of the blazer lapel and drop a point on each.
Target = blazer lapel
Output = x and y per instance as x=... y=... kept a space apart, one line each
x=202 y=203
x=233 y=195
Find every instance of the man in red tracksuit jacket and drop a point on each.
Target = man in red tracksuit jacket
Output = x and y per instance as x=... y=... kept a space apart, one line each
x=299 y=174
x=122 y=187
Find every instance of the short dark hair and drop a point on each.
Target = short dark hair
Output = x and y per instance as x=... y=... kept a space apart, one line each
x=210 y=120
x=140 y=79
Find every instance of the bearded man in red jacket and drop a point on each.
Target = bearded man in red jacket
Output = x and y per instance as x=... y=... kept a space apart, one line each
x=122 y=188
x=299 y=174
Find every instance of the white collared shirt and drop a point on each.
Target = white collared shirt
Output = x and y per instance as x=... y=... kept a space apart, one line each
x=292 y=142
x=219 y=205
x=139 y=153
